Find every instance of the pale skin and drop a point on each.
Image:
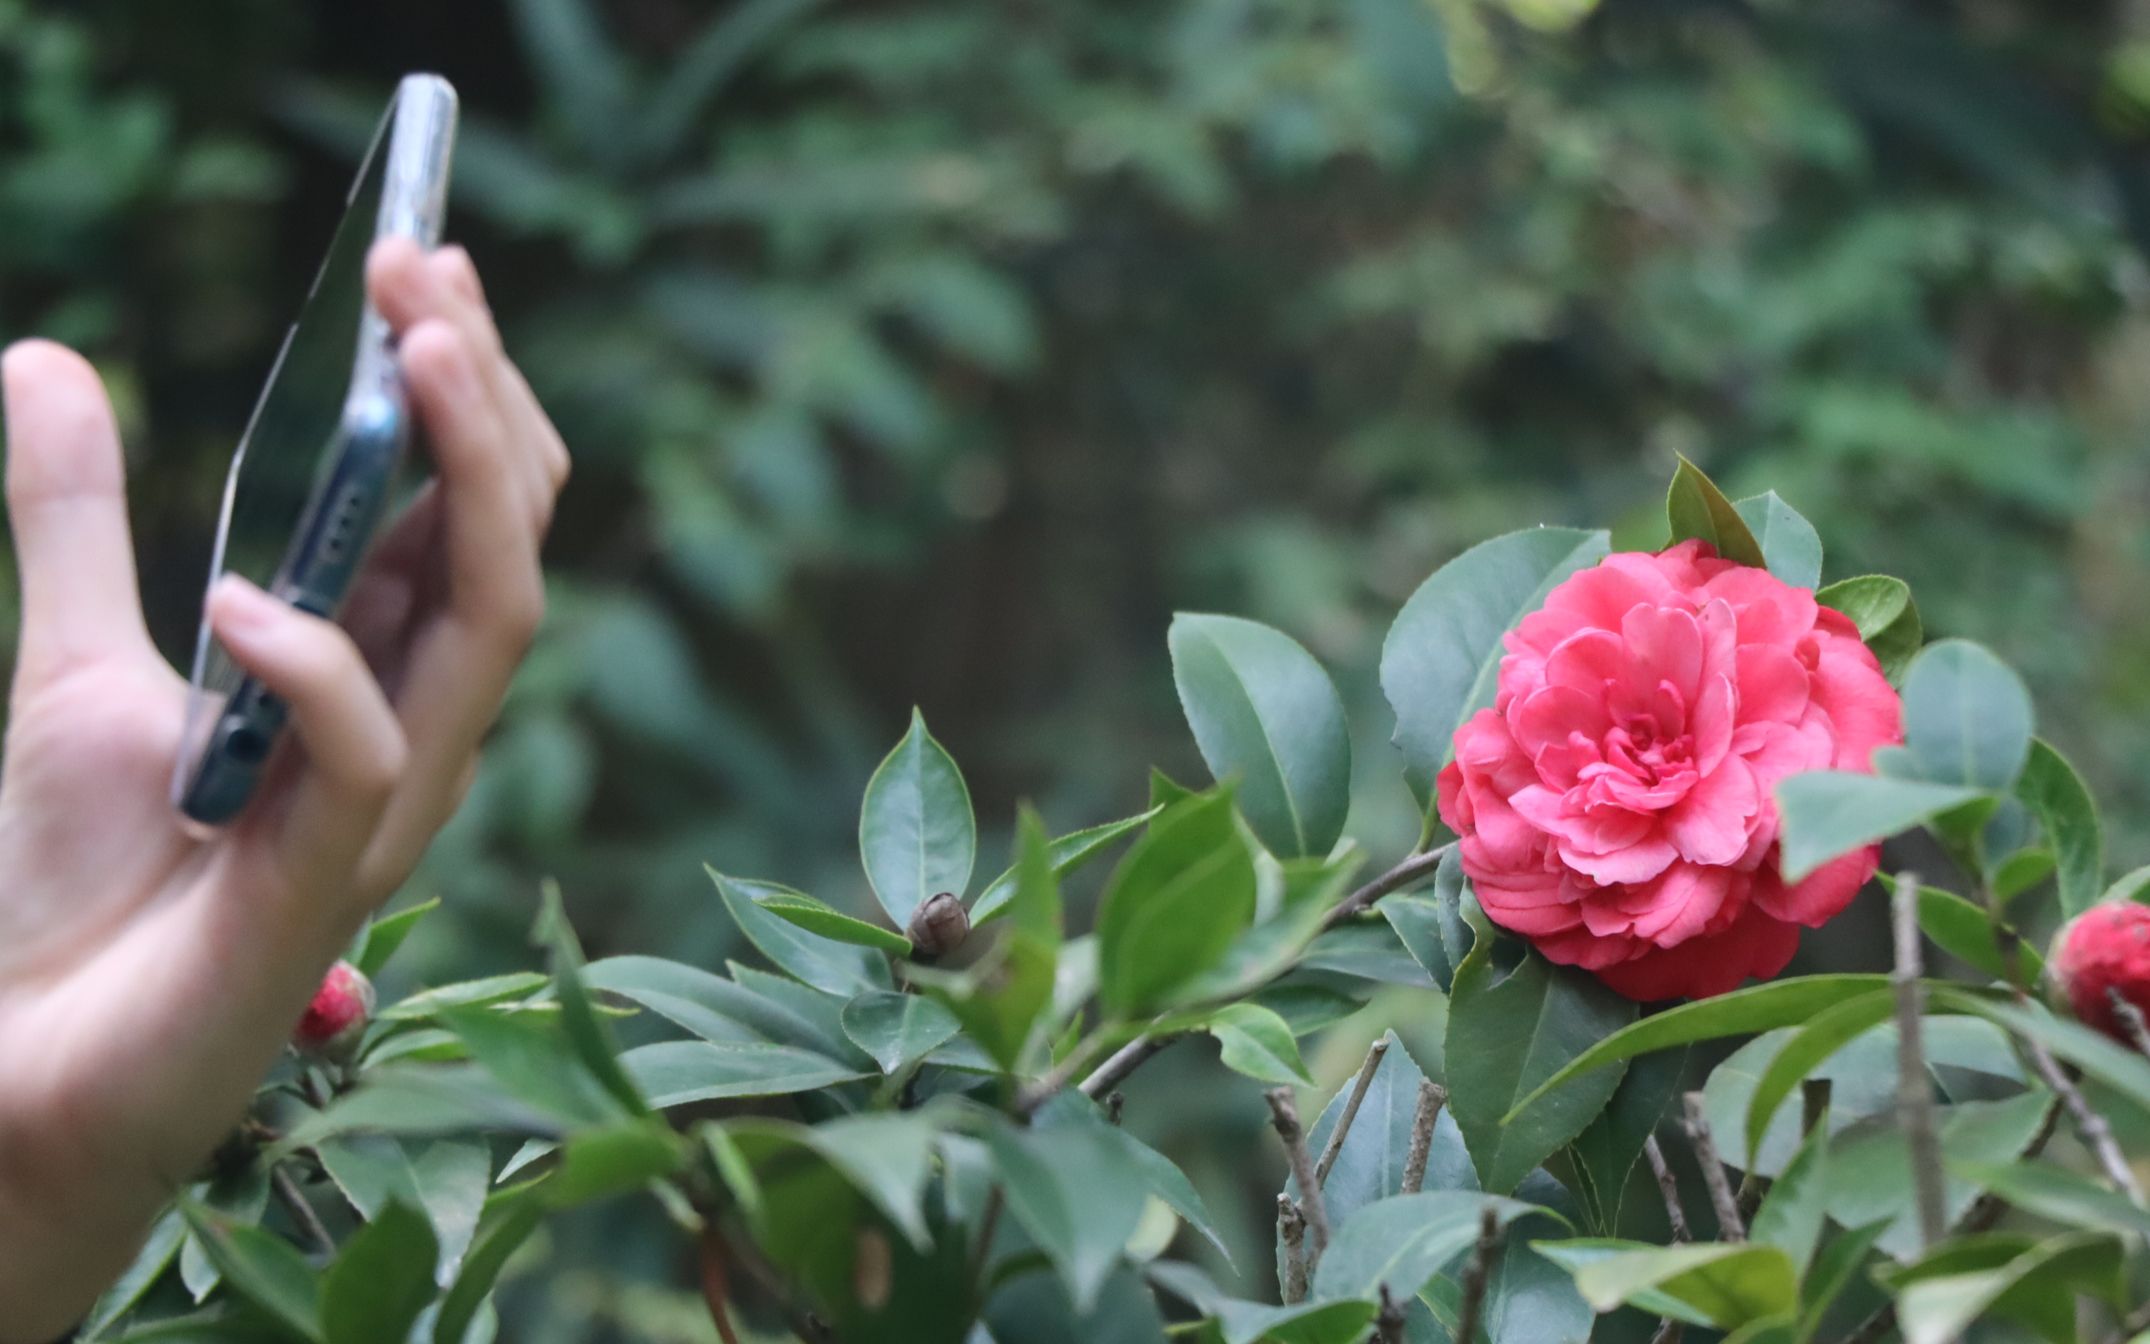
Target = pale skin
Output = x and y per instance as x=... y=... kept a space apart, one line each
x=149 y=977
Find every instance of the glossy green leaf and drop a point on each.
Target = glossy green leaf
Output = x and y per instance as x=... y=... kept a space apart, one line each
x=917 y=834
x=707 y=1004
x=535 y=1062
x=448 y=1178
x=599 y=1163
x=2037 y=1288
x=1967 y=717
x=898 y=1029
x=1404 y=1240
x=1825 y=1033
x=1175 y=904
x=2113 y=1064
x=586 y=1030
x=150 y=1263
x=1965 y=931
x=1795 y=1212
x=385 y=934
x=1839 y=1265
x=261 y=1268
x=1505 y=1039
x=1077 y=1196
x=1342 y=1322
x=1001 y=1000
x=673 y=1073
x=1829 y=813
x=1256 y=1042
x=1696 y=508
x=424 y=1099
x=1366 y=950
x=509 y=1220
x=2132 y=886
x=829 y=966
x=2067 y=817
x=1431 y=925
x=1440 y=657
x=885 y=1156
x=826 y=920
x=1739 y=1013
x=1266 y=715
x=382 y=1279
x=1790 y=546
x=1069 y=853
x=1574 y=1254
x=1159 y=1173
x=482 y=992
x=1727 y=1285
x=1609 y=1147
x=1888 y=620
x=1869 y=1178
x=2062 y=1196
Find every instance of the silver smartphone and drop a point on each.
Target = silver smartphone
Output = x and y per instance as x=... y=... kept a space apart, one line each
x=318 y=465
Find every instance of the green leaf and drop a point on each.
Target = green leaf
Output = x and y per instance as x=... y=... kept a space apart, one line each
x=1577 y=1253
x=534 y=1060
x=2054 y=793
x=1440 y=658
x=1869 y=1177
x=887 y=1157
x=150 y=1263
x=262 y=1268
x=509 y=1220
x=385 y=934
x=587 y=1032
x=1823 y=1035
x=1834 y=1270
x=673 y=1073
x=382 y=1279
x=2132 y=886
x=1788 y=541
x=1608 y=1148
x=1741 y=1012
x=1726 y=1285
x=491 y=989
x=1795 y=1211
x=829 y=966
x=1967 y=717
x=1002 y=998
x=2061 y=1196
x=1174 y=905
x=2037 y=1288
x=1432 y=926
x=1159 y=1173
x=898 y=1029
x=1266 y=714
x=423 y=1099
x=1529 y=1299
x=1966 y=932
x=598 y=1163
x=1695 y=507
x=825 y=919
x=710 y=1006
x=1887 y=618
x=917 y=834
x=2104 y=1059
x=1505 y=1039
x=1069 y=853
x=1256 y=1042
x=1826 y=814
x=1342 y=1322
x=2021 y=871
x=1366 y=950
x=1077 y=1196
x=1405 y=1240
x=448 y=1178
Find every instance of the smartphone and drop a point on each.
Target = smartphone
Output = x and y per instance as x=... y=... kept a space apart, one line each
x=320 y=461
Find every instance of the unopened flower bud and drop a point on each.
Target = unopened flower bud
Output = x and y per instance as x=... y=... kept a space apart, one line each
x=938 y=926
x=338 y=1013
x=2101 y=953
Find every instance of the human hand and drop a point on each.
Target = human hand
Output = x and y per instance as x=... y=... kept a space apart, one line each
x=148 y=976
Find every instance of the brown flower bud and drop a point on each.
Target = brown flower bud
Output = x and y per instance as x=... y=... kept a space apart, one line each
x=938 y=926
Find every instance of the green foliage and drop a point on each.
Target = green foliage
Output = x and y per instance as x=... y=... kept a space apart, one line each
x=1696 y=509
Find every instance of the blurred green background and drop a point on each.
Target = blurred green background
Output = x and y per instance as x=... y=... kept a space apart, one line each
x=935 y=353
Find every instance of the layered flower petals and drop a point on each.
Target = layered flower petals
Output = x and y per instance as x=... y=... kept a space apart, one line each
x=1614 y=804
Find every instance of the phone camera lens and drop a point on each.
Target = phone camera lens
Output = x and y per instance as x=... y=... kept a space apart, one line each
x=246 y=744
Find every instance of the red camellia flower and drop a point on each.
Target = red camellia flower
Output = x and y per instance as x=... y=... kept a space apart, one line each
x=338 y=1013
x=2103 y=951
x=1615 y=804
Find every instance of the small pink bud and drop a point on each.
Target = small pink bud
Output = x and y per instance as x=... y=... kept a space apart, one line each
x=338 y=1012
x=2100 y=954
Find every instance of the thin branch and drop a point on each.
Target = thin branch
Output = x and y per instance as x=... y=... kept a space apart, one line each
x=1668 y=1185
x=716 y=1284
x=2130 y=1018
x=1291 y=1231
x=1365 y=1080
x=2097 y=1134
x=1914 y=1093
x=1475 y=1274
x=1730 y=1226
x=1284 y=1114
x=1389 y=1324
x=1431 y=1098
x=302 y=1213
x=988 y=1228
x=1669 y=1331
x=1413 y=869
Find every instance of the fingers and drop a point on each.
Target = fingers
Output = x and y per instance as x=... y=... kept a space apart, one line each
x=67 y=504
x=354 y=745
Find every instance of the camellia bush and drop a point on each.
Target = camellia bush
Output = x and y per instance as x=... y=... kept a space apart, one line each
x=1641 y=775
